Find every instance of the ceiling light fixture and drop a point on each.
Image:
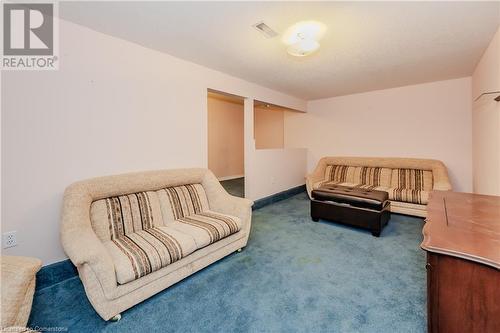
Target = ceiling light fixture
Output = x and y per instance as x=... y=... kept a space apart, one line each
x=303 y=37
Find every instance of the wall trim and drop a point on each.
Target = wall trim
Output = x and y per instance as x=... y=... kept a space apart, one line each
x=230 y=177
x=63 y=270
x=259 y=203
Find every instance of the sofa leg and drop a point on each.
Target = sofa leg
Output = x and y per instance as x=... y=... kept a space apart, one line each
x=239 y=250
x=116 y=318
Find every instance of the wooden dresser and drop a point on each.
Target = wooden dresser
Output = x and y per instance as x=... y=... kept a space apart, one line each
x=462 y=240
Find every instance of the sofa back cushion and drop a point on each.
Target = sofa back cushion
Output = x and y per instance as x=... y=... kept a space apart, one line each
x=412 y=179
x=372 y=176
x=339 y=173
x=182 y=201
x=115 y=217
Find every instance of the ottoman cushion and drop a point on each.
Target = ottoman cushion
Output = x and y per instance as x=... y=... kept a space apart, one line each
x=356 y=197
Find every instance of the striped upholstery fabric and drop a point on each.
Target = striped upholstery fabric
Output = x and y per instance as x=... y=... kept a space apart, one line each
x=412 y=179
x=146 y=231
x=335 y=174
x=146 y=251
x=208 y=227
x=409 y=195
x=370 y=178
x=403 y=185
x=131 y=228
x=365 y=186
x=181 y=201
x=116 y=217
x=186 y=209
x=411 y=185
x=339 y=173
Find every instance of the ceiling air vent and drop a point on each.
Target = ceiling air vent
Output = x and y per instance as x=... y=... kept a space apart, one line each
x=265 y=30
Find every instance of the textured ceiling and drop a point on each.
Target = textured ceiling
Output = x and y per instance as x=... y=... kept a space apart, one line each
x=367 y=45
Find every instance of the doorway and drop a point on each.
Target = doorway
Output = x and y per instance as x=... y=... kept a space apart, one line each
x=226 y=140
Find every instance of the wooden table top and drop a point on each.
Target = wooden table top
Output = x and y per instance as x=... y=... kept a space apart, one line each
x=464 y=225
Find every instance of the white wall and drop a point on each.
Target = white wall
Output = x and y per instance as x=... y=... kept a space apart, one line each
x=486 y=75
x=486 y=121
x=112 y=107
x=486 y=146
x=431 y=120
x=268 y=171
x=276 y=169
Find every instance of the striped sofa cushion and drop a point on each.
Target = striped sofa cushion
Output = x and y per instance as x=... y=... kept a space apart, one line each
x=185 y=208
x=412 y=179
x=408 y=195
x=181 y=201
x=365 y=186
x=131 y=228
x=146 y=251
x=116 y=217
x=411 y=185
x=338 y=174
x=147 y=231
x=208 y=227
x=369 y=177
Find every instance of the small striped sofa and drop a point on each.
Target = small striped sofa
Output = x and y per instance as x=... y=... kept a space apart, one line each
x=408 y=181
x=133 y=235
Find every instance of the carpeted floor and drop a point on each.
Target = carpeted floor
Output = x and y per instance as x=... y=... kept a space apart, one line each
x=294 y=276
x=235 y=186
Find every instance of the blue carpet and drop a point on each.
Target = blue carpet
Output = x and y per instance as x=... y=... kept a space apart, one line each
x=294 y=276
x=235 y=186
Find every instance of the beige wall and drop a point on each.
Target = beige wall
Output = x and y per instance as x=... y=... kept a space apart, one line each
x=269 y=128
x=431 y=120
x=486 y=121
x=225 y=138
x=112 y=107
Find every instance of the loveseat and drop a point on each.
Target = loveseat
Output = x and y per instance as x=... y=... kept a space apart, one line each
x=408 y=181
x=133 y=235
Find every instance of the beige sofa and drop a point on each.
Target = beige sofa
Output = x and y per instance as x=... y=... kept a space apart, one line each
x=18 y=286
x=407 y=180
x=133 y=235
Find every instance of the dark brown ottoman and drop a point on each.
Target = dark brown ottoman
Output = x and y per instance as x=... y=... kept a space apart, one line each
x=357 y=207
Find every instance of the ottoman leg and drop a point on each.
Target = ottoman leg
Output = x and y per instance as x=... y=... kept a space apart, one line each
x=315 y=219
x=376 y=233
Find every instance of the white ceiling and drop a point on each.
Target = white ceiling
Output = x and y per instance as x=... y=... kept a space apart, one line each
x=367 y=45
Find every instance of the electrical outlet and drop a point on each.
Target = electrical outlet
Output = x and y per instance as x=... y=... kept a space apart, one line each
x=9 y=239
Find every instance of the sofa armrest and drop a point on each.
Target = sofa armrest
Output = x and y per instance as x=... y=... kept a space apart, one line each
x=441 y=179
x=312 y=179
x=79 y=240
x=442 y=186
x=317 y=175
x=239 y=207
x=223 y=202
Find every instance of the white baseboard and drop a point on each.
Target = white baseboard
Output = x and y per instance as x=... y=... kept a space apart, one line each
x=230 y=177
